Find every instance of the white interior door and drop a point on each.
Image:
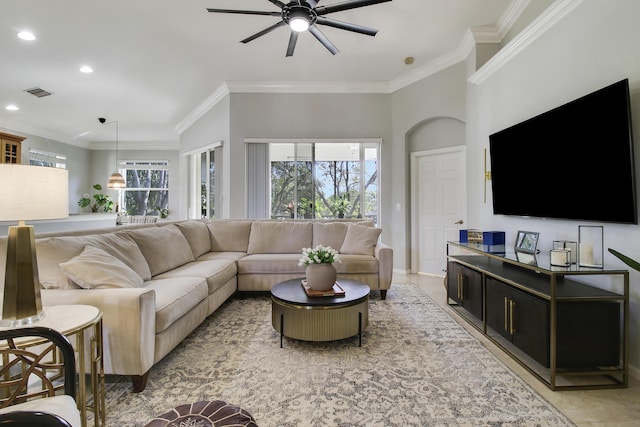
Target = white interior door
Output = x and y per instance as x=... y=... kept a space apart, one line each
x=438 y=205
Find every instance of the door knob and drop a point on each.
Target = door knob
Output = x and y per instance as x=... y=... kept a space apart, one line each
x=459 y=222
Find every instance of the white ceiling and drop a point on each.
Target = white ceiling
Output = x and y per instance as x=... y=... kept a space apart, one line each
x=157 y=61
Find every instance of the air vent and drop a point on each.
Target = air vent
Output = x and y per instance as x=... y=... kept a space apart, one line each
x=39 y=92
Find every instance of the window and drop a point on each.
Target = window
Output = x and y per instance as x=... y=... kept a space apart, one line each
x=147 y=187
x=324 y=180
x=43 y=158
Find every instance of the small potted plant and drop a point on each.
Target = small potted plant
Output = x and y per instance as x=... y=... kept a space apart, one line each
x=97 y=201
x=320 y=272
x=340 y=205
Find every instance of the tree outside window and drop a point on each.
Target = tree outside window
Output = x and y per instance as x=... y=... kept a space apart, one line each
x=324 y=180
x=147 y=188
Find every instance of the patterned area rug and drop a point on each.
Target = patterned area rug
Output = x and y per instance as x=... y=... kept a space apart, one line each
x=416 y=367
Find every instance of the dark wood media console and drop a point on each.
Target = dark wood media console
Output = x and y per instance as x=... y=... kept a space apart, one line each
x=568 y=332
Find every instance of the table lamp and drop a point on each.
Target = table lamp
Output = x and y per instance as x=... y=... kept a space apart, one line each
x=27 y=193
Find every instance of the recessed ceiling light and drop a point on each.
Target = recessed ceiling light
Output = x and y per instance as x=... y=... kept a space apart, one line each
x=86 y=69
x=12 y=107
x=26 y=35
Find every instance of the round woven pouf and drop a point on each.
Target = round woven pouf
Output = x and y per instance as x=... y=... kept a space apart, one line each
x=206 y=413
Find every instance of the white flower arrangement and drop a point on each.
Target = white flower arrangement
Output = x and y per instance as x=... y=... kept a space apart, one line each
x=319 y=255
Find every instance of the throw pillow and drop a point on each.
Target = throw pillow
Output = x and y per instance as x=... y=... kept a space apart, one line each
x=94 y=268
x=329 y=234
x=360 y=240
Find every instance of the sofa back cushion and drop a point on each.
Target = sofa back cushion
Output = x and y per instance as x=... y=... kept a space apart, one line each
x=360 y=240
x=52 y=251
x=279 y=237
x=95 y=269
x=164 y=248
x=229 y=235
x=329 y=234
x=197 y=234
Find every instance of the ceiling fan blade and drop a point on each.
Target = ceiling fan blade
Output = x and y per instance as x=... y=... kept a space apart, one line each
x=346 y=26
x=245 y=12
x=346 y=5
x=293 y=39
x=323 y=39
x=263 y=32
x=278 y=3
x=312 y=3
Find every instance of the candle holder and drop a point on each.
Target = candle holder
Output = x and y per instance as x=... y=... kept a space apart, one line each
x=569 y=246
x=591 y=246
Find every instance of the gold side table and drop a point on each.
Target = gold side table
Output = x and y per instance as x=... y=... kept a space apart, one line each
x=82 y=325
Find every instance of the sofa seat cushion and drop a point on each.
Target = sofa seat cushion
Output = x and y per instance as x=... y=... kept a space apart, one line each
x=356 y=264
x=270 y=263
x=234 y=256
x=164 y=248
x=175 y=297
x=216 y=272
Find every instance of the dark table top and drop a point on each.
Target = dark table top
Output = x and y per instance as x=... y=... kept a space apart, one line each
x=292 y=292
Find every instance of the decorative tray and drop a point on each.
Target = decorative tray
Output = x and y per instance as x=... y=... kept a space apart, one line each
x=336 y=291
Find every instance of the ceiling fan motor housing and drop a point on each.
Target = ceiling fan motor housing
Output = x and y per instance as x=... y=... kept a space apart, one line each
x=299 y=10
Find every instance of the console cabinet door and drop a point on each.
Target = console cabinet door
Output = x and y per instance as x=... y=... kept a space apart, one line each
x=464 y=286
x=519 y=317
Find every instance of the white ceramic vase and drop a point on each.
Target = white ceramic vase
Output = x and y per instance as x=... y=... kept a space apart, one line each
x=321 y=277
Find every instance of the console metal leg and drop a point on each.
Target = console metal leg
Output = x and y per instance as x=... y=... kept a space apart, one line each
x=281 y=328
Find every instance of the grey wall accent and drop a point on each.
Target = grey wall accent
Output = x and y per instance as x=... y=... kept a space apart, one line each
x=319 y=115
x=440 y=95
x=570 y=60
x=78 y=162
x=439 y=132
x=212 y=127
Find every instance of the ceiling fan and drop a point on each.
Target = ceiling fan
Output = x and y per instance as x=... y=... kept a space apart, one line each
x=302 y=15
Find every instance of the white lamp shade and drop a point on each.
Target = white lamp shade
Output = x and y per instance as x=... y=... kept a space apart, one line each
x=33 y=192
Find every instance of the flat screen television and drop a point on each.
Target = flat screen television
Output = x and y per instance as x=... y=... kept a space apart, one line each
x=573 y=162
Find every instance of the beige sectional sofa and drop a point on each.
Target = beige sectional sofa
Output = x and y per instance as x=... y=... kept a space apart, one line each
x=155 y=283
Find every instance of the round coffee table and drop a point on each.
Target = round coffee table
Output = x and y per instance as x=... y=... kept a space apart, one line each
x=328 y=318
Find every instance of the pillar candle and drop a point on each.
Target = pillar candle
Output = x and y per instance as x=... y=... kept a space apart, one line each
x=586 y=253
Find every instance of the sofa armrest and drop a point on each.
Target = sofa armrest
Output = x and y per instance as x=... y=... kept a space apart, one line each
x=384 y=254
x=128 y=324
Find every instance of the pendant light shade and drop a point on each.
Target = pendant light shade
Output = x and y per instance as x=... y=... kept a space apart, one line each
x=116 y=181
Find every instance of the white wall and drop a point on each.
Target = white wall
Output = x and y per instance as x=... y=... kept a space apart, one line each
x=595 y=45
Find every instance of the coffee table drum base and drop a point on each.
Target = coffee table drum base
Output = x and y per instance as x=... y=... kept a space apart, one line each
x=320 y=323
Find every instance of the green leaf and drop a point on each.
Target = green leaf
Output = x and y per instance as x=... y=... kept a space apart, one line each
x=630 y=262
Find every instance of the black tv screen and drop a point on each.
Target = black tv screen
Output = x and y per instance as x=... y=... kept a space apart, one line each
x=573 y=162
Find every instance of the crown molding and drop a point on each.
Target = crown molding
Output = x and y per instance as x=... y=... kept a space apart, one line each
x=217 y=96
x=547 y=19
x=307 y=87
x=483 y=34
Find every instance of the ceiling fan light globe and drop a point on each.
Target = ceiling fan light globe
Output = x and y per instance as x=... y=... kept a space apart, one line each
x=299 y=24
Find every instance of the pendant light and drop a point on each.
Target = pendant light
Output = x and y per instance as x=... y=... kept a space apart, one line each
x=116 y=181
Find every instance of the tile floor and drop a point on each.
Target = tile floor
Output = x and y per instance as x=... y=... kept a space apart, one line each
x=586 y=408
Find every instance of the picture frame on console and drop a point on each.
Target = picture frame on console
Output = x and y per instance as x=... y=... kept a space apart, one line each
x=527 y=242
